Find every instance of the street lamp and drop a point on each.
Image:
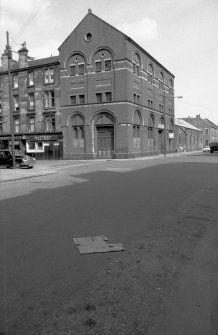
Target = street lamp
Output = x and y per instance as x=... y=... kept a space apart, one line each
x=165 y=130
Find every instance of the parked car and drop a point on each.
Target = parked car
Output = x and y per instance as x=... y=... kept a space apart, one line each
x=206 y=149
x=21 y=160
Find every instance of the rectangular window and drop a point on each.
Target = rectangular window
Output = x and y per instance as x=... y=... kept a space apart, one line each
x=72 y=70
x=73 y=99
x=108 y=96
x=138 y=99
x=134 y=97
x=15 y=81
x=107 y=65
x=49 y=99
x=31 y=124
x=49 y=76
x=98 y=66
x=49 y=123
x=16 y=125
x=53 y=123
x=0 y=105
x=150 y=104
x=99 y=97
x=81 y=98
x=16 y=103
x=1 y=129
x=31 y=101
x=137 y=68
x=206 y=131
x=30 y=78
x=81 y=69
x=134 y=68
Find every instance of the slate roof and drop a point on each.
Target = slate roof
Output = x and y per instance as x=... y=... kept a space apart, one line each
x=184 y=124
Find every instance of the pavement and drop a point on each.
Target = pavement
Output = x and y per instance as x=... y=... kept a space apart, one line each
x=46 y=167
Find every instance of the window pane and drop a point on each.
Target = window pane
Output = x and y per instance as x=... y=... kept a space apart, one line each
x=72 y=70
x=31 y=78
x=81 y=69
x=73 y=100
x=108 y=96
x=98 y=66
x=108 y=65
x=99 y=97
x=81 y=99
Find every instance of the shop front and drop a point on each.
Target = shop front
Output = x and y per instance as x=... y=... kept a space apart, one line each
x=46 y=146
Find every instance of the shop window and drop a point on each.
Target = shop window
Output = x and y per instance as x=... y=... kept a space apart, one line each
x=49 y=76
x=99 y=97
x=40 y=145
x=31 y=145
x=16 y=126
x=16 y=103
x=108 y=96
x=49 y=99
x=31 y=79
x=31 y=101
x=15 y=81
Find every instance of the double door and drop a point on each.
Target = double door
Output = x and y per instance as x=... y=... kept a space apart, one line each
x=105 y=142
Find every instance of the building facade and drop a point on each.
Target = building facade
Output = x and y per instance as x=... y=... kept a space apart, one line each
x=104 y=96
x=187 y=136
x=209 y=129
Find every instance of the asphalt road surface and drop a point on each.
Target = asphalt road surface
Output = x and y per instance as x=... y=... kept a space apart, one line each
x=126 y=201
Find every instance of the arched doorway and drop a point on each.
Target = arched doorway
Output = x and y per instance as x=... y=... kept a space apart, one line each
x=105 y=136
x=77 y=134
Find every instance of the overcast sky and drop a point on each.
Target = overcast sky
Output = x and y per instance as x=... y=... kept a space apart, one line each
x=181 y=34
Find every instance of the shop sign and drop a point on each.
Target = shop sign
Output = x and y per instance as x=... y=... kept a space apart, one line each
x=8 y=137
x=42 y=138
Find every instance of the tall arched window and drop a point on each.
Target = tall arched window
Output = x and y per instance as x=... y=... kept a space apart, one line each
x=136 y=64
x=151 y=123
x=150 y=73
x=170 y=86
x=136 y=130
x=78 y=133
x=161 y=81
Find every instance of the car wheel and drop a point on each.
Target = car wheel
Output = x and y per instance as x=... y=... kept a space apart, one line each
x=30 y=167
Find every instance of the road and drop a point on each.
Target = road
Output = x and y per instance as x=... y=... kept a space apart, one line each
x=135 y=202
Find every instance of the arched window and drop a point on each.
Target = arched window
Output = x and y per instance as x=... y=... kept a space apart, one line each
x=170 y=86
x=103 y=60
x=76 y=65
x=151 y=123
x=104 y=119
x=136 y=64
x=78 y=132
x=161 y=81
x=150 y=73
x=136 y=130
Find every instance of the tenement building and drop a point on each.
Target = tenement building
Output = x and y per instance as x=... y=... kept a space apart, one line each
x=104 y=96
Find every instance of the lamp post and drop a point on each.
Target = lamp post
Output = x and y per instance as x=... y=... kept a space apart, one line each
x=165 y=130
x=10 y=103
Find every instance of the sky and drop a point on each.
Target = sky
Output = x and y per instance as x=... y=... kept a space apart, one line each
x=181 y=34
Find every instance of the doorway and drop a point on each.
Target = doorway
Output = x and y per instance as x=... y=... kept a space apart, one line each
x=105 y=141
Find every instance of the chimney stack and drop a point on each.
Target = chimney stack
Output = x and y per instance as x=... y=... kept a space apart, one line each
x=23 y=56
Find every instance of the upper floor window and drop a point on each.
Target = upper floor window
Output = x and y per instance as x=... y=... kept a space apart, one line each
x=206 y=131
x=108 y=96
x=31 y=101
x=49 y=99
x=161 y=107
x=49 y=76
x=0 y=105
x=161 y=81
x=81 y=69
x=150 y=73
x=15 y=81
x=76 y=65
x=31 y=124
x=16 y=125
x=30 y=78
x=99 y=97
x=150 y=103
x=1 y=128
x=49 y=122
x=81 y=98
x=16 y=103
x=102 y=60
x=136 y=64
x=171 y=86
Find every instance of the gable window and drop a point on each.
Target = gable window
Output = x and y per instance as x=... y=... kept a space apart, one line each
x=31 y=79
x=16 y=103
x=31 y=101
x=81 y=69
x=16 y=125
x=108 y=65
x=72 y=70
x=49 y=99
x=98 y=66
x=81 y=98
x=15 y=81
x=108 y=96
x=73 y=99
x=49 y=76
x=99 y=97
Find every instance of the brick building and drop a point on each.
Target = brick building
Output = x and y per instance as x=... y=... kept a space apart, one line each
x=209 y=129
x=104 y=94
x=187 y=137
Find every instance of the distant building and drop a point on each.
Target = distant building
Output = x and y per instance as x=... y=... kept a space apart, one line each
x=187 y=136
x=104 y=96
x=209 y=129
